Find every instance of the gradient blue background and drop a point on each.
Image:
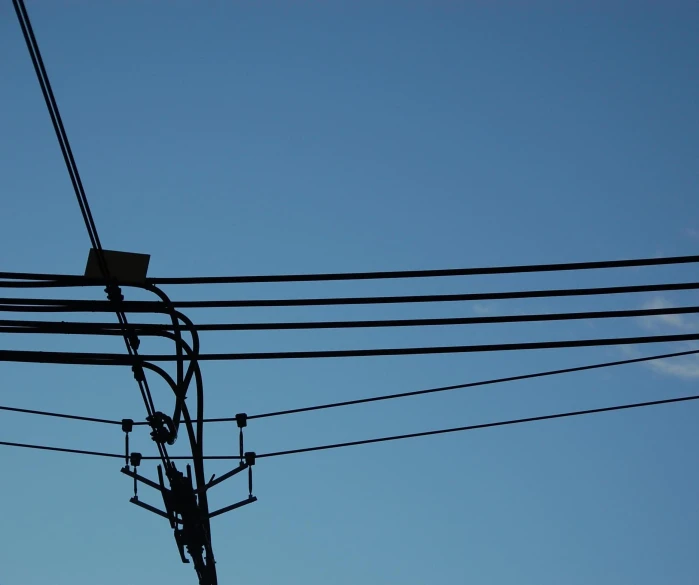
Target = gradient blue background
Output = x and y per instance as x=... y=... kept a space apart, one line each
x=265 y=137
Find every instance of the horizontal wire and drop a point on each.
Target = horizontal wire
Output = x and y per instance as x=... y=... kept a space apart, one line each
x=380 y=275
x=479 y=426
x=62 y=450
x=61 y=415
x=19 y=326
x=427 y=273
x=62 y=305
x=475 y=384
x=114 y=359
x=378 y=439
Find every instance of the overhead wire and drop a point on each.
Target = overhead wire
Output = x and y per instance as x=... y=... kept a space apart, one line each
x=386 y=274
x=112 y=359
x=479 y=426
x=62 y=305
x=71 y=166
x=89 y=328
x=394 y=274
x=330 y=405
x=113 y=290
x=390 y=438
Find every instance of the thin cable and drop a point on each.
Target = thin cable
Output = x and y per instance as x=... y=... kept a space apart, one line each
x=381 y=439
x=72 y=327
x=426 y=273
x=113 y=359
x=54 y=113
x=387 y=396
x=62 y=450
x=461 y=386
x=64 y=143
x=480 y=426
x=61 y=415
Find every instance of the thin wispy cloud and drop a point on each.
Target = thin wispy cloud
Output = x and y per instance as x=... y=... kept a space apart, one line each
x=665 y=321
x=685 y=367
x=481 y=309
x=692 y=233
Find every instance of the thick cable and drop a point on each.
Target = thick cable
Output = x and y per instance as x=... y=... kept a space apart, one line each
x=113 y=359
x=62 y=305
x=426 y=273
x=387 y=274
x=386 y=396
x=90 y=328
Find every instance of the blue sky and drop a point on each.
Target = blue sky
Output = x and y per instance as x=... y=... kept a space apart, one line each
x=243 y=138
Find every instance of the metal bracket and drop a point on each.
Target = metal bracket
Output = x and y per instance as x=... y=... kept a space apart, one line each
x=148 y=507
x=225 y=476
x=235 y=506
x=137 y=477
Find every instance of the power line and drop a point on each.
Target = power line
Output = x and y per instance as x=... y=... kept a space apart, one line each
x=56 y=120
x=379 y=275
x=115 y=297
x=479 y=426
x=71 y=305
x=113 y=359
x=62 y=450
x=72 y=168
x=426 y=273
x=28 y=326
x=60 y=415
x=488 y=382
x=381 y=439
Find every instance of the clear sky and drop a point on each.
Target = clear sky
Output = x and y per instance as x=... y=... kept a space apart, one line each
x=263 y=137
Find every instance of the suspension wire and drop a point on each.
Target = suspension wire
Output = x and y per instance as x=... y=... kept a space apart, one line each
x=62 y=305
x=92 y=328
x=428 y=273
x=69 y=159
x=380 y=275
x=478 y=383
x=113 y=359
x=489 y=382
x=480 y=426
x=330 y=446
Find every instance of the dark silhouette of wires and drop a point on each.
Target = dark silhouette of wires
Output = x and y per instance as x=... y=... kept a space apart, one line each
x=330 y=446
x=72 y=327
x=113 y=359
x=490 y=382
x=381 y=275
x=47 y=413
x=72 y=168
x=426 y=273
x=62 y=305
x=480 y=426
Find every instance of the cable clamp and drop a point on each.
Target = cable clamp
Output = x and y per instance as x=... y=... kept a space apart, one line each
x=164 y=430
x=127 y=425
x=242 y=419
x=138 y=372
x=114 y=293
